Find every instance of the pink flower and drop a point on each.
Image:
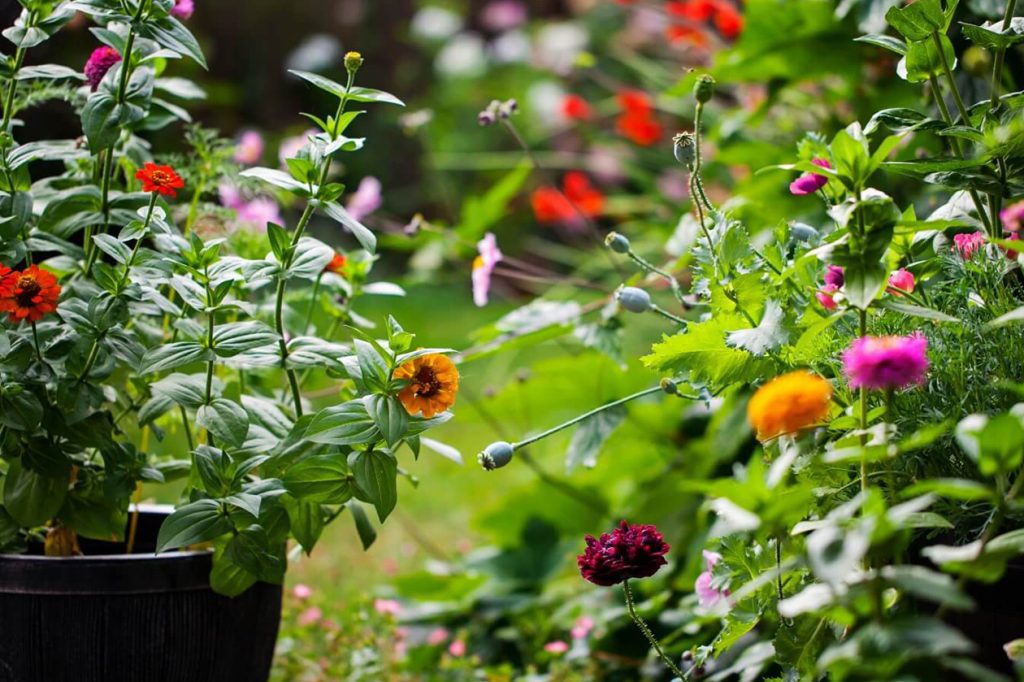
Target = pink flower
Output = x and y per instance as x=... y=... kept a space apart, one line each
x=302 y=591
x=707 y=595
x=1010 y=253
x=437 y=636
x=366 y=198
x=835 y=276
x=503 y=15
x=809 y=183
x=310 y=616
x=582 y=628
x=1012 y=217
x=901 y=281
x=886 y=362
x=825 y=297
x=249 y=149
x=387 y=607
x=457 y=648
x=183 y=9
x=968 y=244
x=253 y=212
x=483 y=267
x=100 y=62
x=556 y=647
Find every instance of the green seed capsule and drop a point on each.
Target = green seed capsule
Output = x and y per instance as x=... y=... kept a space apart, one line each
x=704 y=89
x=635 y=300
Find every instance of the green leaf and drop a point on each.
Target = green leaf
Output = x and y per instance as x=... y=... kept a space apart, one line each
x=251 y=550
x=590 y=437
x=366 y=238
x=173 y=355
x=992 y=35
x=172 y=34
x=358 y=94
x=924 y=60
x=768 y=336
x=952 y=488
x=888 y=42
x=390 y=417
x=919 y=20
x=346 y=424
x=226 y=420
x=192 y=524
x=311 y=257
x=865 y=280
x=322 y=479
x=100 y=121
x=20 y=409
x=917 y=311
x=995 y=444
x=235 y=338
x=367 y=533
x=1015 y=315
x=376 y=476
x=278 y=178
x=31 y=498
x=186 y=390
x=280 y=241
x=227 y=577
x=307 y=522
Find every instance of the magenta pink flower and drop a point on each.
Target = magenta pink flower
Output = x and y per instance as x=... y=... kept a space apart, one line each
x=968 y=244
x=100 y=62
x=627 y=552
x=483 y=268
x=825 y=297
x=902 y=281
x=438 y=636
x=707 y=595
x=503 y=15
x=457 y=648
x=366 y=199
x=249 y=150
x=310 y=616
x=183 y=9
x=387 y=607
x=302 y=592
x=556 y=647
x=1013 y=217
x=886 y=362
x=582 y=627
x=835 y=276
x=809 y=183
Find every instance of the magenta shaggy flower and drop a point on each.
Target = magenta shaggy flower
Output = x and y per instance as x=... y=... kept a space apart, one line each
x=968 y=244
x=100 y=62
x=886 y=362
x=627 y=552
x=902 y=281
x=809 y=183
x=835 y=276
x=183 y=9
x=1012 y=217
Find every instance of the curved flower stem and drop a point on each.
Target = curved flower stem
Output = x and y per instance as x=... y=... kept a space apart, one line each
x=698 y=161
x=863 y=331
x=138 y=242
x=312 y=303
x=211 y=365
x=188 y=429
x=647 y=266
x=997 y=67
x=631 y=607
x=952 y=81
x=667 y=315
x=35 y=339
x=586 y=415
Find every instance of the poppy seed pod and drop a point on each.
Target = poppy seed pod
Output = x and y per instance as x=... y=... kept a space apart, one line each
x=684 y=148
x=617 y=243
x=704 y=89
x=496 y=455
x=635 y=300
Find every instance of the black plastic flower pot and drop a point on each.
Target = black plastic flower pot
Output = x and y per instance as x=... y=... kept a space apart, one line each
x=109 y=617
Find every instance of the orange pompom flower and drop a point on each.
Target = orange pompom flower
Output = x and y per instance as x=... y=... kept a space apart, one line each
x=160 y=179
x=28 y=295
x=337 y=264
x=433 y=383
x=788 y=404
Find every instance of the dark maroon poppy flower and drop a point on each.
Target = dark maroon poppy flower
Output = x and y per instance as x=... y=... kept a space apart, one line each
x=627 y=552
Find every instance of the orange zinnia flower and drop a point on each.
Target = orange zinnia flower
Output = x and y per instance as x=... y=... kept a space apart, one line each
x=433 y=384
x=337 y=264
x=28 y=295
x=788 y=404
x=160 y=179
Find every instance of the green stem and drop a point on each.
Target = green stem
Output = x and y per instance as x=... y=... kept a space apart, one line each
x=312 y=303
x=997 y=67
x=668 y=316
x=587 y=415
x=138 y=243
x=35 y=339
x=631 y=607
x=698 y=160
x=863 y=331
x=210 y=366
x=647 y=266
x=193 y=207
x=282 y=283
x=952 y=81
x=19 y=61
x=188 y=429
x=94 y=353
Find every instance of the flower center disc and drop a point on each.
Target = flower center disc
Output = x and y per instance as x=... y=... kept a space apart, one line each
x=426 y=383
x=28 y=289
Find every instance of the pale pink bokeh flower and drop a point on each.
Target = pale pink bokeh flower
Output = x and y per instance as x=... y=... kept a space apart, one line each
x=438 y=636
x=366 y=199
x=557 y=647
x=310 y=616
x=457 y=648
x=707 y=595
x=387 y=607
x=582 y=628
x=483 y=268
x=302 y=591
x=183 y=9
x=249 y=150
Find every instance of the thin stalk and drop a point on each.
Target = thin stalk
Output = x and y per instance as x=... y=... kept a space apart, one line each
x=138 y=243
x=188 y=429
x=631 y=607
x=997 y=66
x=586 y=415
x=952 y=81
x=647 y=266
x=35 y=340
x=863 y=331
x=193 y=207
x=19 y=61
x=698 y=161
x=667 y=315
x=312 y=303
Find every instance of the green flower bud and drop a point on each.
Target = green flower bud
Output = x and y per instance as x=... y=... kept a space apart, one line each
x=496 y=455
x=977 y=61
x=635 y=300
x=353 y=60
x=616 y=242
x=669 y=387
x=684 y=146
x=704 y=89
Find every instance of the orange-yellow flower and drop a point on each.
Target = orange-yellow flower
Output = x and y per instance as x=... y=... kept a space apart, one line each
x=788 y=404
x=433 y=384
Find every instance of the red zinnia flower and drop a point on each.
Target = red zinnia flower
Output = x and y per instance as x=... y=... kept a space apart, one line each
x=160 y=179
x=728 y=21
x=641 y=129
x=100 y=62
x=585 y=196
x=337 y=264
x=576 y=199
x=551 y=206
x=635 y=101
x=694 y=10
x=627 y=552
x=575 y=108
x=695 y=36
x=29 y=294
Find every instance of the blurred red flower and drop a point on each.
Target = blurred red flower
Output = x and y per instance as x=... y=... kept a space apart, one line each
x=575 y=108
x=577 y=199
